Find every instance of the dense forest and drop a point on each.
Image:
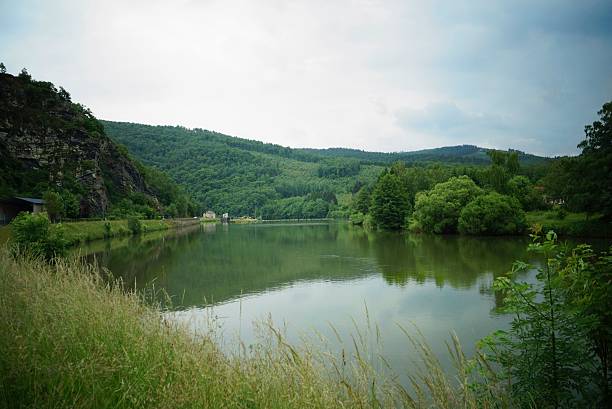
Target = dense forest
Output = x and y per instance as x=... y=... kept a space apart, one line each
x=245 y=177
x=53 y=148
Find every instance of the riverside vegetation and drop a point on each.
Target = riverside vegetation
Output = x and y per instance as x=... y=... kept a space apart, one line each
x=493 y=200
x=72 y=337
x=118 y=170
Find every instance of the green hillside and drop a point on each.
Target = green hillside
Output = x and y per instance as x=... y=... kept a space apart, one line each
x=246 y=177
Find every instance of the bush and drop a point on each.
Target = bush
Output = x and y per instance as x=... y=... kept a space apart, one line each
x=357 y=218
x=34 y=233
x=438 y=210
x=492 y=213
x=134 y=225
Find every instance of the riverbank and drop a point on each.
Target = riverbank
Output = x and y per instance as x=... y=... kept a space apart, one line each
x=71 y=340
x=80 y=232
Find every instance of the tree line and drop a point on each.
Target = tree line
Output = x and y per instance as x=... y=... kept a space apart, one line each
x=491 y=200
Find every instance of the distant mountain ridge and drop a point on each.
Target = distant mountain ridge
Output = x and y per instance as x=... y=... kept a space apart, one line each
x=459 y=154
x=448 y=154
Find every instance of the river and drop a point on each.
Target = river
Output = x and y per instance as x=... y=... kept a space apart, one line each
x=307 y=277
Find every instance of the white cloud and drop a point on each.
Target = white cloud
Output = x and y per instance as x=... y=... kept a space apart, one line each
x=376 y=75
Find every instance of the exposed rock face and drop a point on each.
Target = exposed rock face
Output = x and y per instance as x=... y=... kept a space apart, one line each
x=41 y=129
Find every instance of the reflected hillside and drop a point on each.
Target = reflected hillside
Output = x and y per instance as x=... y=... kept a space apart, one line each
x=223 y=262
x=216 y=263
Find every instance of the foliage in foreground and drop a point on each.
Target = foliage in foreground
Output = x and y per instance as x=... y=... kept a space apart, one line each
x=70 y=339
x=556 y=352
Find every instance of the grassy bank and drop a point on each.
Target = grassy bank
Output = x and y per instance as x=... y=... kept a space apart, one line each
x=90 y=230
x=5 y=234
x=570 y=224
x=70 y=340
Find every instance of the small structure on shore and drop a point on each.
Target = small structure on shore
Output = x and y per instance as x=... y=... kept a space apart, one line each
x=225 y=218
x=209 y=215
x=11 y=207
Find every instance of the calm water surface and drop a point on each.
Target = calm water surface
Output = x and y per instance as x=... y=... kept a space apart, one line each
x=305 y=277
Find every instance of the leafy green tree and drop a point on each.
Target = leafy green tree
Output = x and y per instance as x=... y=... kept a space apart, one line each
x=504 y=165
x=64 y=94
x=54 y=205
x=24 y=74
x=390 y=205
x=362 y=200
x=438 y=210
x=492 y=214
x=583 y=183
x=71 y=204
x=2 y=68
x=594 y=165
x=522 y=189
x=559 y=183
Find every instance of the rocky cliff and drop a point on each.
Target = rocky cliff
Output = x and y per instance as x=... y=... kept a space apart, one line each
x=49 y=142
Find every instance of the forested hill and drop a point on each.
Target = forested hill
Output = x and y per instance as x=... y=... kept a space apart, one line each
x=246 y=177
x=464 y=154
x=54 y=148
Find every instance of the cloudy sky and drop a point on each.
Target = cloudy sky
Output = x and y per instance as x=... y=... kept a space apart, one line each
x=375 y=75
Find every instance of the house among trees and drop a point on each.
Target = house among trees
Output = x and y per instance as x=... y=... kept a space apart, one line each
x=11 y=207
x=209 y=215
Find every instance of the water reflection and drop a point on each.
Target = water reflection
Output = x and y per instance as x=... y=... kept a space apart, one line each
x=213 y=263
x=310 y=275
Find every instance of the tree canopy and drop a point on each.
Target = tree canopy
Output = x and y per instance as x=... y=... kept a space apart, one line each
x=438 y=210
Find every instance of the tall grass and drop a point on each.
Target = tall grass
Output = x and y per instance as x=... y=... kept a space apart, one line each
x=71 y=339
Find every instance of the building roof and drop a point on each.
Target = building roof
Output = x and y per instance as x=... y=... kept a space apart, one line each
x=31 y=200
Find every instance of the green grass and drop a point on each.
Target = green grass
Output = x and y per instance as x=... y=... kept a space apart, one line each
x=5 y=234
x=70 y=339
x=86 y=231
x=573 y=224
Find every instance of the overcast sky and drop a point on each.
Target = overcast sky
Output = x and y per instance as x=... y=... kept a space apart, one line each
x=374 y=75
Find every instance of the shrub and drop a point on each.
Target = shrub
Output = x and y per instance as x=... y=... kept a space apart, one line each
x=438 y=210
x=34 y=233
x=357 y=218
x=555 y=352
x=492 y=213
x=134 y=225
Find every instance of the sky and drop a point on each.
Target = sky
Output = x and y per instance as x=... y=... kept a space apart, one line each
x=366 y=74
